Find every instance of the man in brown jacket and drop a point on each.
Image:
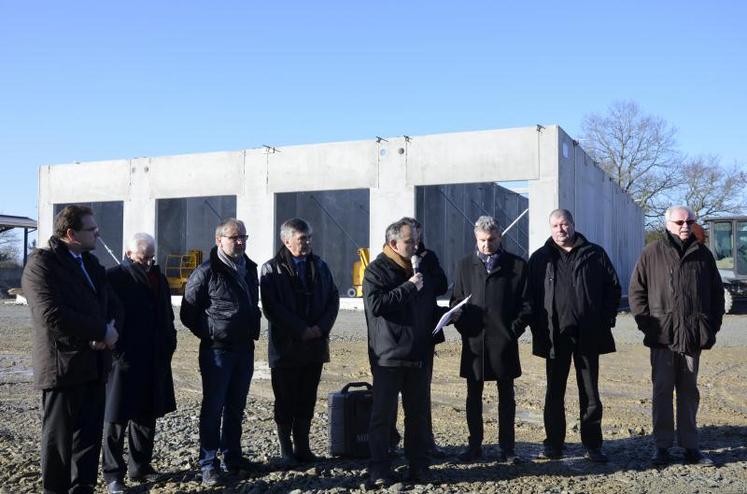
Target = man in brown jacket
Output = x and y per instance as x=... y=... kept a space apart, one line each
x=677 y=299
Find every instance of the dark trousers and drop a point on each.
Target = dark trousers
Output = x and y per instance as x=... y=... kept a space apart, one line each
x=140 y=436
x=72 y=422
x=395 y=436
x=412 y=382
x=672 y=371
x=226 y=375
x=295 y=392
x=506 y=413
x=590 y=404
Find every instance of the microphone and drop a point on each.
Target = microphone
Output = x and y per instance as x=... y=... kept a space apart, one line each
x=415 y=261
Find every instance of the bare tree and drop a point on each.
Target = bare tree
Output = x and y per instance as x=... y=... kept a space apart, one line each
x=710 y=189
x=637 y=150
x=8 y=246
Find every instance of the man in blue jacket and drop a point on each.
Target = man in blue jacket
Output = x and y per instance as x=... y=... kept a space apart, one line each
x=220 y=306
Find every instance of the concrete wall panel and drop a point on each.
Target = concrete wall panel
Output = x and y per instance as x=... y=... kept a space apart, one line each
x=87 y=182
x=327 y=166
x=196 y=175
x=468 y=157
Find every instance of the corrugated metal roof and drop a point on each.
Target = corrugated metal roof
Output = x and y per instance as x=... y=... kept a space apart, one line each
x=16 y=221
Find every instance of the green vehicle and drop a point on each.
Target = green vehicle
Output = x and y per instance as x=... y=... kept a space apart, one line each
x=727 y=239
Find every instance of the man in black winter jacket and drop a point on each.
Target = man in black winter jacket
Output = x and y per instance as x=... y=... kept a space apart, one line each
x=74 y=313
x=400 y=317
x=220 y=306
x=574 y=294
x=677 y=299
x=301 y=301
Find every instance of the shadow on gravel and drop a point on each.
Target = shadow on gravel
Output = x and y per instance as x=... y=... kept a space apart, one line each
x=723 y=444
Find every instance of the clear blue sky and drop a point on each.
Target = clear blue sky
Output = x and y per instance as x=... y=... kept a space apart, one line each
x=84 y=81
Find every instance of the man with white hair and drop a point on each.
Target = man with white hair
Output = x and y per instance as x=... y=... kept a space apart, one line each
x=140 y=387
x=677 y=299
x=221 y=307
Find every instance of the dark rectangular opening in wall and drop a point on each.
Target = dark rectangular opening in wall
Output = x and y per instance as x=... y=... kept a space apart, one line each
x=340 y=223
x=188 y=223
x=109 y=217
x=448 y=213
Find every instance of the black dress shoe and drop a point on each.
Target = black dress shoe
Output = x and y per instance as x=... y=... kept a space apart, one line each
x=596 y=455
x=507 y=456
x=116 y=487
x=471 y=454
x=379 y=480
x=436 y=453
x=695 y=457
x=550 y=452
x=147 y=474
x=661 y=457
x=417 y=475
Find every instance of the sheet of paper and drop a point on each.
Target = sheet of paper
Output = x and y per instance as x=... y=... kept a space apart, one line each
x=446 y=318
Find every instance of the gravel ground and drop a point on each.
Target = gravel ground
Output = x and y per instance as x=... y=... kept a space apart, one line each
x=624 y=384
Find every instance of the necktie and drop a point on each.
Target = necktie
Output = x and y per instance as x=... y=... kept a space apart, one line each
x=85 y=273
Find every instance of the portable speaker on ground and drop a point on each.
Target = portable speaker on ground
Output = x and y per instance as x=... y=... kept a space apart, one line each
x=349 y=414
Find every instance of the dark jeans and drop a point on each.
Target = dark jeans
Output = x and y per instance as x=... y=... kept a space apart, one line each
x=72 y=424
x=226 y=374
x=295 y=392
x=506 y=413
x=412 y=382
x=140 y=436
x=590 y=404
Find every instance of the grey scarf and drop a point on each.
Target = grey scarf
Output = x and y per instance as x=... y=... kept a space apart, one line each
x=238 y=268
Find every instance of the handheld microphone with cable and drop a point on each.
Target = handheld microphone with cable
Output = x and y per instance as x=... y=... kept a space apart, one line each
x=415 y=261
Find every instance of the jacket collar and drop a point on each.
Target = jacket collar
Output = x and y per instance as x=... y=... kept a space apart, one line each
x=217 y=265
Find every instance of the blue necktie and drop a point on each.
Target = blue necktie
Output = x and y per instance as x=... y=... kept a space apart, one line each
x=85 y=273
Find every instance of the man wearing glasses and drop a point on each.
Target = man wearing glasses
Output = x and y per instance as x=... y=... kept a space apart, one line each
x=677 y=299
x=220 y=306
x=74 y=314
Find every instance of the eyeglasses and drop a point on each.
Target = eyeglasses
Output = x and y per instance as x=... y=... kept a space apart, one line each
x=682 y=222
x=234 y=238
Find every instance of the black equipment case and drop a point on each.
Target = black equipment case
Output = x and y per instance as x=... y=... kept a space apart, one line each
x=349 y=414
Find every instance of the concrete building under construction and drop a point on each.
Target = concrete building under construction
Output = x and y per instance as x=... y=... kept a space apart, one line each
x=350 y=192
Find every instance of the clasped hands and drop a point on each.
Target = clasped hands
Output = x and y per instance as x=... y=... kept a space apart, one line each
x=110 y=338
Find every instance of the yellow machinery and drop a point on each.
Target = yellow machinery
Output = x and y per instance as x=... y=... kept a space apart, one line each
x=359 y=267
x=179 y=267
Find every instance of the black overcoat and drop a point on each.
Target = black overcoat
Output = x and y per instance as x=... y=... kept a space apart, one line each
x=140 y=384
x=490 y=322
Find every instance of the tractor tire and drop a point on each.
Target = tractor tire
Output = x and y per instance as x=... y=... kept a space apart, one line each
x=728 y=301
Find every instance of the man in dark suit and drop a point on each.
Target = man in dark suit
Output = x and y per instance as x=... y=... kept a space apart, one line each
x=140 y=386
x=574 y=296
x=74 y=317
x=490 y=327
